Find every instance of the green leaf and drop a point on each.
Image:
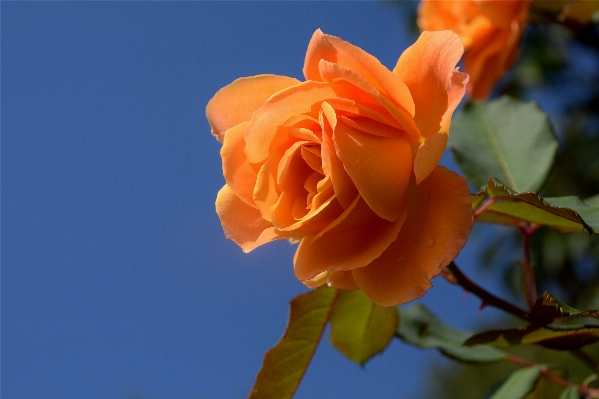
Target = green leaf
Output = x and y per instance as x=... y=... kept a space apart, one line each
x=360 y=328
x=285 y=364
x=566 y=214
x=570 y=393
x=518 y=384
x=506 y=138
x=546 y=389
x=547 y=309
x=593 y=201
x=421 y=328
x=564 y=337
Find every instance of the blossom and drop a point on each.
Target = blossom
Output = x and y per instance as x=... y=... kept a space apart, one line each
x=346 y=163
x=490 y=29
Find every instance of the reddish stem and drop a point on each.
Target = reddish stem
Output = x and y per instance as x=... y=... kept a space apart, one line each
x=481 y=209
x=530 y=285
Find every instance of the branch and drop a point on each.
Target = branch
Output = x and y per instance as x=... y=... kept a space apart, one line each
x=486 y=296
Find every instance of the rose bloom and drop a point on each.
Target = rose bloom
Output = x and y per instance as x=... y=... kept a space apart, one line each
x=491 y=31
x=346 y=164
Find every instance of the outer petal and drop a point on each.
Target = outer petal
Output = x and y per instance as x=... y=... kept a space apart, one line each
x=354 y=240
x=431 y=150
x=239 y=174
x=333 y=49
x=380 y=167
x=427 y=68
x=439 y=221
x=242 y=223
x=236 y=102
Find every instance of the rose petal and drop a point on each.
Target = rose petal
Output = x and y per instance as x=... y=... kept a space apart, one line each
x=354 y=240
x=427 y=67
x=236 y=102
x=438 y=223
x=238 y=172
x=261 y=133
x=266 y=191
x=242 y=223
x=428 y=155
x=335 y=73
x=345 y=190
x=503 y=12
x=351 y=108
x=343 y=280
x=371 y=126
x=380 y=167
x=317 y=281
x=333 y=49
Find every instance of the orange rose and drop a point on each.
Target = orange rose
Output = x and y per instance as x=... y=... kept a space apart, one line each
x=491 y=31
x=346 y=163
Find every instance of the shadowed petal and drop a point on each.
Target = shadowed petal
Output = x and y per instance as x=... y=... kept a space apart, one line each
x=236 y=102
x=345 y=190
x=342 y=279
x=354 y=240
x=380 y=167
x=438 y=223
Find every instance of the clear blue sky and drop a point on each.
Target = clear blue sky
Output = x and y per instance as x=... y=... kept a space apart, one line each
x=117 y=281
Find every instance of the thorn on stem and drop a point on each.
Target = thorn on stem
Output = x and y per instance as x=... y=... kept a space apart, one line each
x=483 y=304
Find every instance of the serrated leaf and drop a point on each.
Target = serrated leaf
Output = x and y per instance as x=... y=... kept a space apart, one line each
x=285 y=364
x=570 y=393
x=566 y=214
x=360 y=328
x=518 y=384
x=547 y=309
x=419 y=327
x=563 y=338
x=506 y=138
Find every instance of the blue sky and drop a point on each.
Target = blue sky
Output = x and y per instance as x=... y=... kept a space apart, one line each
x=117 y=281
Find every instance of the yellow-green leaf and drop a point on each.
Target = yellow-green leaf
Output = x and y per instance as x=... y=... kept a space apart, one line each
x=564 y=337
x=285 y=364
x=360 y=328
